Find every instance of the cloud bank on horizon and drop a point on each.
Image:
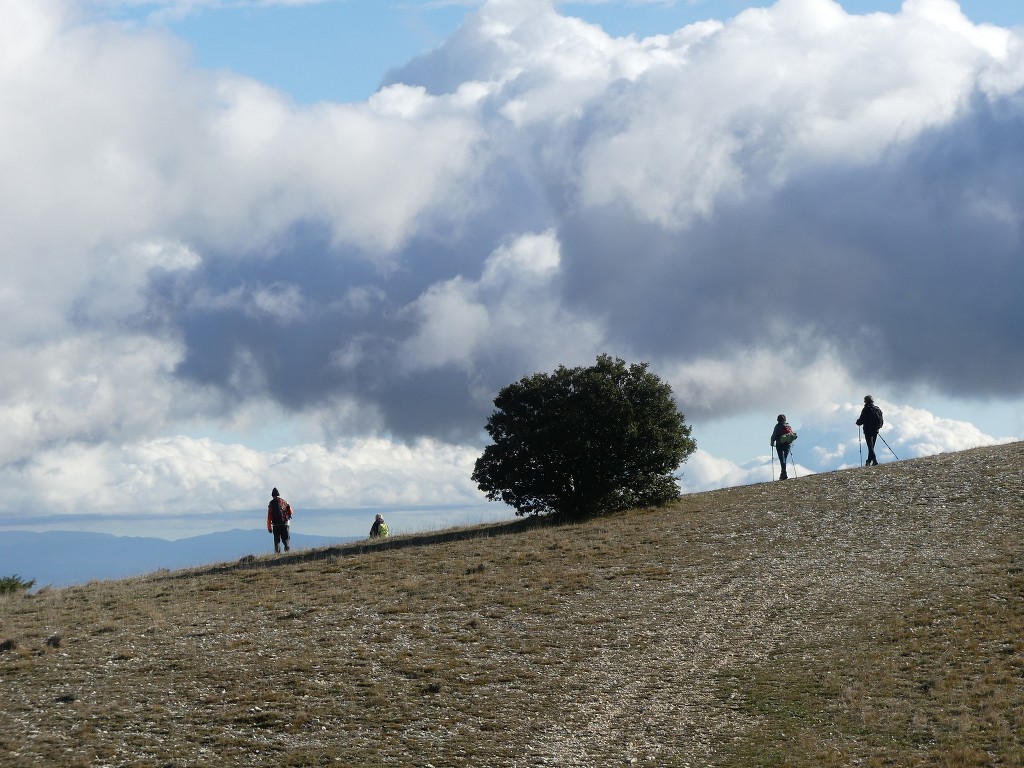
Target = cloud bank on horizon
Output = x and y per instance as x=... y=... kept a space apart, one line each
x=209 y=287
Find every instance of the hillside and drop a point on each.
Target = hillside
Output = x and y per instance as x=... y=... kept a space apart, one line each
x=868 y=617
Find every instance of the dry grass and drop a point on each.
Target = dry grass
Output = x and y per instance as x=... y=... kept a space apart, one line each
x=871 y=617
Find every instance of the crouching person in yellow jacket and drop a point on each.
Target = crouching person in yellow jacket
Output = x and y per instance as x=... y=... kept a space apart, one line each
x=379 y=529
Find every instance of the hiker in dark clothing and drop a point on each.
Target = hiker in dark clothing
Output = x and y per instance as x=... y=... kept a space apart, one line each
x=279 y=515
x=871 y=420
x=782 y=439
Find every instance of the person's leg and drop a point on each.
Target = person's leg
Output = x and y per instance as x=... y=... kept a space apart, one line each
x=277 y=537
x=783 y=451
x=870 y=438
x=286 y=537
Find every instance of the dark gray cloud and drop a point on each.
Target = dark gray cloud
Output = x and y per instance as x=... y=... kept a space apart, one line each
x=900 y=250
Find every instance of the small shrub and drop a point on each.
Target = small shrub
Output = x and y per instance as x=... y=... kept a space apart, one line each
x=14 y=583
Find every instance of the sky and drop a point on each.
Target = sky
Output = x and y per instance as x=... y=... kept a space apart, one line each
x=303 y=243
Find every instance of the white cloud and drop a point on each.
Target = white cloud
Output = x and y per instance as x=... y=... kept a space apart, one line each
x=181 y=476
x=512 y=308
x=111 y=134
x=775 y=377
x=771 y=210
x=375 y=171
x=802 y=81
x=705 y=472
x=917 y=432
x=88 y=388
x=286 y=302
x=910 y=432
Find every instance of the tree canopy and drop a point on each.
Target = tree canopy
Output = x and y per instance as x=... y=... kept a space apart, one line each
x=584 y=441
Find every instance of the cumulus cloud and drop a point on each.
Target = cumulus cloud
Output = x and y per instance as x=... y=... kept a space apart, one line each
x=512 y=309
x=917 y=432
x=189 y=477
x=788 y=201
x=705 y=472
x=830 y=439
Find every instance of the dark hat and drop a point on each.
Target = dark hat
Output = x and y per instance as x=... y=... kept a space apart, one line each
x=782 y=417
x=275 y=492
x=868 y=399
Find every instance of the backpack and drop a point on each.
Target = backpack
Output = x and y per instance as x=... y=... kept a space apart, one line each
x=788 y=435
x=279 y=510
x=873 y=420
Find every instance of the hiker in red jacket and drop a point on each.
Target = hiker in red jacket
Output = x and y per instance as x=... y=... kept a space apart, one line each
x=279 y=516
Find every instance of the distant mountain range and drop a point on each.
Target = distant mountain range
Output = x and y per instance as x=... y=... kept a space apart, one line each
x=63 y=558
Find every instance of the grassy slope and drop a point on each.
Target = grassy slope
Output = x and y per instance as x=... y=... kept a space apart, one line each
x=869 y=617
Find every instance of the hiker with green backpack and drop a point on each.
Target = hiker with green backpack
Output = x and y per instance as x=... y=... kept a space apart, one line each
x=782 y=440
x=379 y=529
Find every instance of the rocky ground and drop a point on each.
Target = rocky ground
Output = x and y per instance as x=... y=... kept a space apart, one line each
x=830 y=620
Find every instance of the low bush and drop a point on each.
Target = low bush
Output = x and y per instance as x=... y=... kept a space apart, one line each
x=14 y=583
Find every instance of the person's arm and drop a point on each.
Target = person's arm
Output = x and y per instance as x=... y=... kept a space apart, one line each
x=270 y=521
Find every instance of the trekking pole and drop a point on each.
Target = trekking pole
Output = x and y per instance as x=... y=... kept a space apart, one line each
x=890 y=449
x=793 y=462
x=771 y=458
x=860 y=446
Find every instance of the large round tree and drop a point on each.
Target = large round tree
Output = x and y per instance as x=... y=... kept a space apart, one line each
x=584 y=441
